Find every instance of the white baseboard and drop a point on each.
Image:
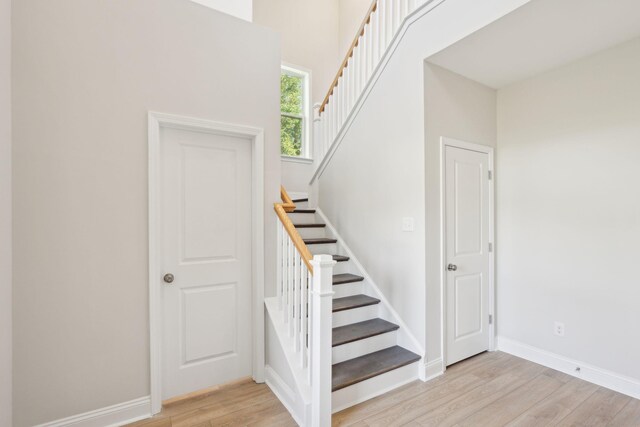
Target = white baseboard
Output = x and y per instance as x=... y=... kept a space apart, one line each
x=284 y=393
x=111 y=416
x=590 y=373
x=431 y=370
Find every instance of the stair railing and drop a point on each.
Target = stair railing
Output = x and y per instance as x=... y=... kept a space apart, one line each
x=305 y=296
x=383 y=20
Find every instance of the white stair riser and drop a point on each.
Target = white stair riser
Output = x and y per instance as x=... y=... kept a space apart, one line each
x=323 y=249
x=302 y=218
x=348 y=289
x=365 y=390
x=355 y=315
x=361 y=347
x=311 y=233
x=344 y=267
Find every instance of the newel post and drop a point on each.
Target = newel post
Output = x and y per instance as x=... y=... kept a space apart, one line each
x=322 y=294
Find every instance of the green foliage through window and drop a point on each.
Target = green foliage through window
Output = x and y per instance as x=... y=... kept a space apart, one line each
x=292 y=110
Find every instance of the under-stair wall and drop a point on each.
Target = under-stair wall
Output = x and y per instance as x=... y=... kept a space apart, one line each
x=377 y=170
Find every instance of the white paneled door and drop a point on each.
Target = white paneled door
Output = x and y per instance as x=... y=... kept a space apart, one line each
x=467 y=257
x=206 y=260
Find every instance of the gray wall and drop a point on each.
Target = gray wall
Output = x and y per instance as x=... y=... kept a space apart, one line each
x=86 y=73
x=569 y=210
x=462 y=109
x=5 y=213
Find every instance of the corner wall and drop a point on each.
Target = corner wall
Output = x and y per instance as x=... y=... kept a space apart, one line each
x=569 y=210
x=5 y=217
x=85 y=75
x=462 y=109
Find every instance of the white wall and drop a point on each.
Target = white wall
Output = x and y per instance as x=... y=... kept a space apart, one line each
x=242 y=9
x=85 y=76
x=352 y=13
x=569 y=210
x=5 y=214
x=458 y=108
x=377 y=175
x=309 y=31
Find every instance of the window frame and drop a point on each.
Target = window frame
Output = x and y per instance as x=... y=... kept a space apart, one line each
x=305 y=149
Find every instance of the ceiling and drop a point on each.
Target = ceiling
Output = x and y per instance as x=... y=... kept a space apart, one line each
x=540 y=36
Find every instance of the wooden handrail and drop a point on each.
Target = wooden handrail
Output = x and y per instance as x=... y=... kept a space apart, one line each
x=345 y=62
x=282 y=209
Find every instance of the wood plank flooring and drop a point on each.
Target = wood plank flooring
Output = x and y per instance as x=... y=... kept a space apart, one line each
x=491 y=389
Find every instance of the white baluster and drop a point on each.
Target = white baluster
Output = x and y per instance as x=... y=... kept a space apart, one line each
x=279 y=257
x=290 y=285
x=309 y=330
x=302 y=338
x=375 y=38
x=357 y=60
x=296 y=298
x=285 y=276
x=397 y=16
x=322 y=295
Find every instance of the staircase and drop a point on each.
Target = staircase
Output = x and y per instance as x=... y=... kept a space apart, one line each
x=366 y=359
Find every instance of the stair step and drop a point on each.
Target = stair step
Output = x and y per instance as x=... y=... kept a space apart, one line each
x=322 y=241
x=309 y=225
x=308 y=211
x=341 y=279
x=354 y=301
x=300 y=200
x=370 y=365
x=361 y=330
x=340 y=258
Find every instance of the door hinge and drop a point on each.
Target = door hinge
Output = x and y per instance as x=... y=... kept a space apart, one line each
x=490 y=247
x=491 y=319
x=490 y=175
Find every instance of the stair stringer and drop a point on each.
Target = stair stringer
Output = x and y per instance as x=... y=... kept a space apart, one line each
x=283 y=373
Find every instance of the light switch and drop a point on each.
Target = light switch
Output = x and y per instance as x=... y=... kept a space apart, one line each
x=408 y=224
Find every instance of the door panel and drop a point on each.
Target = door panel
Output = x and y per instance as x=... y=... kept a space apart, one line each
x=206 y=245
x=467 y=225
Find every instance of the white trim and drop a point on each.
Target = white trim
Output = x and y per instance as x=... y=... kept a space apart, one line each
x=292 y=159
x=284 y=393
x=489 y=151
x=404 y=331
x=593 y=374
x=422 y=10
x=431 y=370
x=156 y=121
x=115 y=415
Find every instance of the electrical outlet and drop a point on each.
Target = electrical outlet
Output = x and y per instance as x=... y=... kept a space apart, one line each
x=558 y=329
x=408 y=224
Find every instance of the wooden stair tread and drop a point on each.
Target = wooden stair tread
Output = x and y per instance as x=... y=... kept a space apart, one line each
x=341 y=279
x=361 y=330
x=321 y=241
x=370 y=365
x=300 y=200
x=307 y=211
x=340 y=258
x=354 y=301
x=309 y=225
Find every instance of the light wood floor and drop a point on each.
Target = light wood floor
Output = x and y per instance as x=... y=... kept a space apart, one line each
x=492 y=389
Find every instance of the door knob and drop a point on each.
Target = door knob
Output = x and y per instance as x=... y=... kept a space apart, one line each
x=168 y=278
x=452 y=267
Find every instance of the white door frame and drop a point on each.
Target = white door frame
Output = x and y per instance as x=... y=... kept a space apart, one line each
x=157 y=121
x=450 y=142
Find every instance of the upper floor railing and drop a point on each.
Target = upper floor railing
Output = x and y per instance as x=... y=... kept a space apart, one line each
x=383 y=20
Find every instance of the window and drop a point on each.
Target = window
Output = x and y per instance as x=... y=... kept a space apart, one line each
x=294 y=113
